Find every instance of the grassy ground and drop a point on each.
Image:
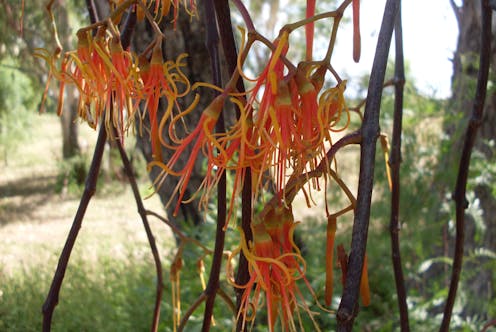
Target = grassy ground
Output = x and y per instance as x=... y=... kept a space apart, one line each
x=111 y=274
x=35 y=218
x=110 y=281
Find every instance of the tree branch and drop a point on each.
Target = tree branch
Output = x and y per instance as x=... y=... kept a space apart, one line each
x=370 y=131
x=212 y=42
x=457 y=11
x=223 y=14
x=394 y=163
x=89 y=190
x=461 y=182
x=128 y=168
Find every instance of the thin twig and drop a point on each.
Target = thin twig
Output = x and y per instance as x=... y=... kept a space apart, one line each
x=461 y=182
x=295 y=183
x=128 y=168
x=190 y=311
x=223 y=14
x=227 y=299
x=489 y=324
x=183 y=237
x=89 y=190
x=212 y=43
x=394 y=163
x=370 y=132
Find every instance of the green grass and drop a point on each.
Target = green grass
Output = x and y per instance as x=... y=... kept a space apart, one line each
x=108 y=295
x=106 y=292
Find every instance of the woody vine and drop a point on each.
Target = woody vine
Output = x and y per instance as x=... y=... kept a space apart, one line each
x=281 y=144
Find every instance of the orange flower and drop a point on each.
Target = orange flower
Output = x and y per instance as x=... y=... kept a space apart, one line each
x=250 y=142
x=90 y=75
x=160 y=10
x=157 y=83
x=275 y=266
x=121 y=85
x=309 y=29
x=201 y=136
x=364 y=284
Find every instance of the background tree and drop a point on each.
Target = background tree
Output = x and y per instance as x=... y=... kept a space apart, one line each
x=189 y=38
x=481 y=220
x=23 y=30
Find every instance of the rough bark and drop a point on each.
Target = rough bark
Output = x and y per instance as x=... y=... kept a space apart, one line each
x=188 y=38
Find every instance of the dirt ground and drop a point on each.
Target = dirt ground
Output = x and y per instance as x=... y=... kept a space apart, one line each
x=35 y=218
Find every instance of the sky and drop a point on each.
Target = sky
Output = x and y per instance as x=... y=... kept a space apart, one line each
x=429 y=34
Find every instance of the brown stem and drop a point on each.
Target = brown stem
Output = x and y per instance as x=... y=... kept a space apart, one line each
x=89 y=189
x=128 y=168
x=394 y=163
x=461 y=181
x=370 y=131
x=178 y=232
x=295 y=183
x=190 y=311
x=223 y=13
x=212 y=43
x=489 y=324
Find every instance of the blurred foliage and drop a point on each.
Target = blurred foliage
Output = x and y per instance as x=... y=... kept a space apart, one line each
x=426 y=217
x=17 y=100
x=22 y=76
x=116 y=296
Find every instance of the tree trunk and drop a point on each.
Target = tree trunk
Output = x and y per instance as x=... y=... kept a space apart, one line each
x=188 y=38
x=68 y=120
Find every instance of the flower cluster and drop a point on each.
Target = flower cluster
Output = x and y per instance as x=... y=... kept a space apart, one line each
x=282 y=132
x=276 y=267
x=112 y=81
x=283 y=129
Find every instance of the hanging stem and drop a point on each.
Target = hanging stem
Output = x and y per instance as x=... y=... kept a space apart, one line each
x=295 y=183
x=461 y=182
x=128 y=168
x=223 y=13
x=89 y=190
x=370 y=132
x=212 y=42
x=394 y=163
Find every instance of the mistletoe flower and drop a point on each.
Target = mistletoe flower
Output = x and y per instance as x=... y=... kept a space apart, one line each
x=275 y=267
x=250 y=143
x=160 y=9
x=91 y=75
x=158 y=82
x=120 y=85
x=200 y=137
